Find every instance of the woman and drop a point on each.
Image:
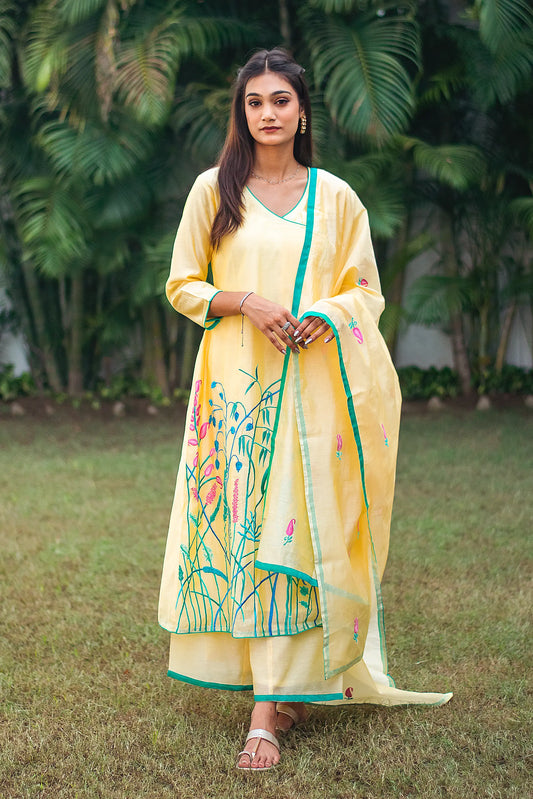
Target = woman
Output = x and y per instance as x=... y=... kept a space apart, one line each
x=279 y=529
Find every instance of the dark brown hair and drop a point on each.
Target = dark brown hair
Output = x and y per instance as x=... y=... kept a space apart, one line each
x=237 y=155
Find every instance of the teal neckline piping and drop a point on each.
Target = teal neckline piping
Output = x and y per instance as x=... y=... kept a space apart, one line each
x=286 y=214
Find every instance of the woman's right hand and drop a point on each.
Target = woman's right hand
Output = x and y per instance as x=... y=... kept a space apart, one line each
x=271 y=319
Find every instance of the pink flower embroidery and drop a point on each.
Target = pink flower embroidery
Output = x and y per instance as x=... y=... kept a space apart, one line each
x=363 y=282
x=192 y=442
x=339 y=446
x=355 y=629
x=195 y=461
x=211 y=494
x=289 y=532
x=355 y=330
x=348 y=693
x=385 y=436
x=208 y=470
x=203 y=430
x=235 y=507
x=194 y=492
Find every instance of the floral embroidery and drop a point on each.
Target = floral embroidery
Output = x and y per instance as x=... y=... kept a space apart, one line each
x=363 y=282
x=385 y=436
x=348 y=693
x=356 y=331
x=339 y=446
x=355 y=629
x=228 y=448
x=289 y=532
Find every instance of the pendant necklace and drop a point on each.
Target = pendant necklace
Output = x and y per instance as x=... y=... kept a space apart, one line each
x=275 y=182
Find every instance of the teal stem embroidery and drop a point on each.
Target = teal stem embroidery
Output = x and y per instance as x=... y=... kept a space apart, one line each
x=289 y=532
x=356 y=331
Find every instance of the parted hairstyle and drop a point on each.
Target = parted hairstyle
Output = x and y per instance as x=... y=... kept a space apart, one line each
x=236 y=159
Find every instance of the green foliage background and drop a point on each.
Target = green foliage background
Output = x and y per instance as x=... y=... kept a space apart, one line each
x=109 y=108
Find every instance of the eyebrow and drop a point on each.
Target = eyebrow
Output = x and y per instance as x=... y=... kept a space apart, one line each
x=279 y=91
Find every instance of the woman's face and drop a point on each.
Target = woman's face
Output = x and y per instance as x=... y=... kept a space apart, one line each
x=272 y=109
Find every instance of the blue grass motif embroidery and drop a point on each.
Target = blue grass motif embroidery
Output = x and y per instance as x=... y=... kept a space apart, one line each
x=227 y=457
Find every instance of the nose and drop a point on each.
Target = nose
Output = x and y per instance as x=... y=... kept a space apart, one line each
x=268 y=112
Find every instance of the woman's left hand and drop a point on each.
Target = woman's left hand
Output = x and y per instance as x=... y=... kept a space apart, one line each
x=311 y=329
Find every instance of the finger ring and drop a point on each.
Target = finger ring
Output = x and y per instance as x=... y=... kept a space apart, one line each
x=286 y=326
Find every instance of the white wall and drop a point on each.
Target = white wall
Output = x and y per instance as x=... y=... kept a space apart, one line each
x=12 y=347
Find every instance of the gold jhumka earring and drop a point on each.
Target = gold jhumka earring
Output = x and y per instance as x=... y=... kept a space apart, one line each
x=303 y=123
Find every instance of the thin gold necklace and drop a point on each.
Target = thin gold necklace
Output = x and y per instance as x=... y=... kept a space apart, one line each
x=275 y=182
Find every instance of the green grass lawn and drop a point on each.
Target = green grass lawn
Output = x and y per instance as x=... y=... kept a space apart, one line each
x=86 y=708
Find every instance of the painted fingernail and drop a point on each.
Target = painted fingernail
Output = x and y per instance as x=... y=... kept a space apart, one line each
x=308 y=340
x=329 y=338
x=297 y=339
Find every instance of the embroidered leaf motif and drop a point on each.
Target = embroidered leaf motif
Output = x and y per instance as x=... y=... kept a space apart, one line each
x=212 y=570
x=217 y=507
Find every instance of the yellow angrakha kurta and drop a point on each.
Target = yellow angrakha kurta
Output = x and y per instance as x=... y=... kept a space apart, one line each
x=280 y=524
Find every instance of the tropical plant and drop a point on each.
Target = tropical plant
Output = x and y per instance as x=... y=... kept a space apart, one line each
x=108 y=110
x=474 y=95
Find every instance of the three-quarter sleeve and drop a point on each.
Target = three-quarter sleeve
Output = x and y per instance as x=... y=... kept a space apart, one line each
x=187 y=288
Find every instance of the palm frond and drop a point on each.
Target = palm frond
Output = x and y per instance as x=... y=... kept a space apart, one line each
x=71 y=12
x=443 y=85
x=201 y=116
x=149 y=59
x=338 y=6
x=8 y=29
x=58 y=63
x=378 y=182
x=503 y=22
x=455 y=165
x=494 y=77
x=362 y=66
x=120 y=205
x=50 y=223
x=433 y=299
x=97 y=153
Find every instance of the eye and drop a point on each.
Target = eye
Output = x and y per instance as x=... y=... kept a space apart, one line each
x=253 y=103
x=282 y=101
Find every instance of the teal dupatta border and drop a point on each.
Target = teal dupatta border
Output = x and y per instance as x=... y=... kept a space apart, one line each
x=357 y=436
x=298 y=285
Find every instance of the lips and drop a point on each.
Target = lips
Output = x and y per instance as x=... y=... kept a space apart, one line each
x=269 y=130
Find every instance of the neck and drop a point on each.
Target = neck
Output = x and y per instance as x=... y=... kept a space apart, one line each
x=274 y=162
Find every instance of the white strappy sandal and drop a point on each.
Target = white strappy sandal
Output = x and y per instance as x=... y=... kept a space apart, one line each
x=260 y=735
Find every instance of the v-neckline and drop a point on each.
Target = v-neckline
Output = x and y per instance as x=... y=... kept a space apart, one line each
x=294 y=207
